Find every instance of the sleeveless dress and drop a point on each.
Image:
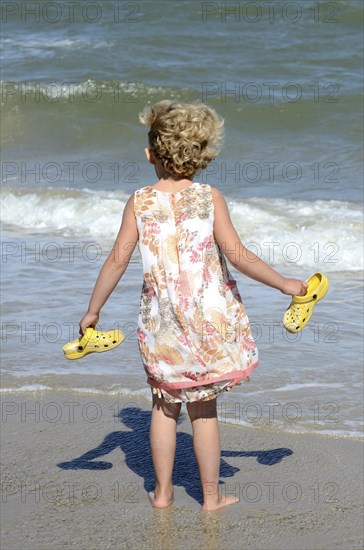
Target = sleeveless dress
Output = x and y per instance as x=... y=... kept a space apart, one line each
x=194 y=336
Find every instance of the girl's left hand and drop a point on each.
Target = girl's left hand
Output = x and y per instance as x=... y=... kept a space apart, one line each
x=88 y=320
x=294 y=287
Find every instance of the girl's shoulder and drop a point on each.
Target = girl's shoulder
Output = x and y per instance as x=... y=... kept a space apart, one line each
x=216 y=193
x=215 y=190
x=219 y=201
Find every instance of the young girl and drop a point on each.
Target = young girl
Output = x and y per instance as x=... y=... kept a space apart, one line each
x=194 y=336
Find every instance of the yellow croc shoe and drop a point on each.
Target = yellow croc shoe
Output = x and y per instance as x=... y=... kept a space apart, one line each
x=93 y=341
x=299 y=312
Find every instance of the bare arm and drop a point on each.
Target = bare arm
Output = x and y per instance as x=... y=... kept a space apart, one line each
x=114 y=266
x=241 y=258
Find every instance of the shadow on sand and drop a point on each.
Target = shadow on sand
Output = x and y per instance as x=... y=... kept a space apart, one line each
x=134 y=443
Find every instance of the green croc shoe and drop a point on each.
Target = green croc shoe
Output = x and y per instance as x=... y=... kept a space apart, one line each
x=299 y=312
x=93 y=341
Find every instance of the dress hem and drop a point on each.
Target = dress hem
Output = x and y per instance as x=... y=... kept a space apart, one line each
x=193 y=383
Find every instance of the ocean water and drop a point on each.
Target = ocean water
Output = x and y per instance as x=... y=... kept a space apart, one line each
x=288 y=82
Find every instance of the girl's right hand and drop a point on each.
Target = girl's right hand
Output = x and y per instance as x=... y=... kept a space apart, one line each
x=294 y=287
x=88 y=320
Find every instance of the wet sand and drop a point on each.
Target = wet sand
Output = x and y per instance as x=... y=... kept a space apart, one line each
x=76 y=472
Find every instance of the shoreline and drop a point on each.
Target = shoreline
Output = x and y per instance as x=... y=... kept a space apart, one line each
x=226 y=407
x=88 y=472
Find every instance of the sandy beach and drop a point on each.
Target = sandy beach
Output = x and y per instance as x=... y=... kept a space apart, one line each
x=287 y=79
x=76 y=471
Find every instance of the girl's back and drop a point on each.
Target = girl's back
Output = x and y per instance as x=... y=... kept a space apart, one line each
x=193 y=333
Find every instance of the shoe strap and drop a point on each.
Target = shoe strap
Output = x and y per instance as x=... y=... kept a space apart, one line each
x=86 y=337
x=312 y=296
x=307 y=298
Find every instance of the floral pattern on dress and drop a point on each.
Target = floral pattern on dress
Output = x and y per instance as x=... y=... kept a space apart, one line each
x=194 y=335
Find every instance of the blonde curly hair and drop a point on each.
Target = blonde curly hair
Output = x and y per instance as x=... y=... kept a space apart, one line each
x=185 y=137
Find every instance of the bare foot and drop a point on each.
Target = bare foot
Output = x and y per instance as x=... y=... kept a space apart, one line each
x=228 y=499
x=159 y=502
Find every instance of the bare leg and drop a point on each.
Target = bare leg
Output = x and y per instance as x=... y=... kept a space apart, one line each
x=163 y=446
x=206 y=443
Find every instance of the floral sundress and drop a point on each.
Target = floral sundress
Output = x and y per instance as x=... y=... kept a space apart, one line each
x=194 y=336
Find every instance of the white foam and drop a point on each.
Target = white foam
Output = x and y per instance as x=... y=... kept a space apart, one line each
x=319 y=235
x=84 y=88
x=37 y=41
x=356 y=433
x=115 y=389
x=26 y=388
x=145 y=392
x=337 y=434
x=323 y=235
x=292 y=387
x=70 y=213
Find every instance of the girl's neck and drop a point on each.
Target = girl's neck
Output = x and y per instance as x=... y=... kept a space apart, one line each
x=171 y=185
